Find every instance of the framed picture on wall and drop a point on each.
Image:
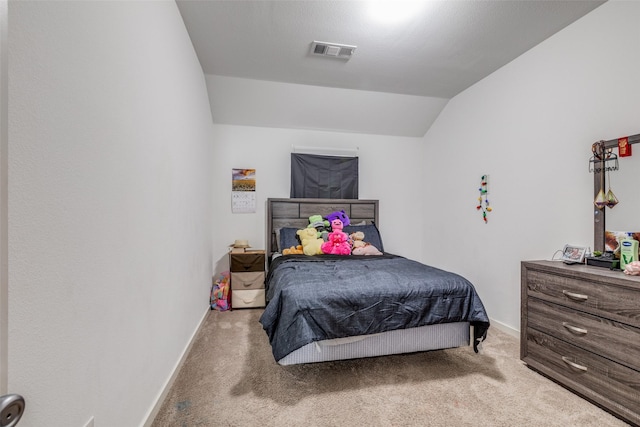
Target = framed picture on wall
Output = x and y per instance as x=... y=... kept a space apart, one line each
x=573 y=254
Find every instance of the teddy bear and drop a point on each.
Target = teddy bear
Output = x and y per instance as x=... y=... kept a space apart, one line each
x=356 y=239
x=320 y=224
x=360 y=247
x=311 y=244
x=338 y=240
x=293 y=250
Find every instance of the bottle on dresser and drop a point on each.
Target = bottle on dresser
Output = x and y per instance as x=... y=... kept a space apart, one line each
x=628 y=251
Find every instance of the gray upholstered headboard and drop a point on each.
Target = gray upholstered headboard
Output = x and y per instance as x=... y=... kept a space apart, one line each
x=296 y=213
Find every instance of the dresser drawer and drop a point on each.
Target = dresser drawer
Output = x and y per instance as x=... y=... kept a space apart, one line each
x=610 y=339
x=248 y=298
x=614 y=302
x=250 y=280
x=610 y=384
x=247 y=262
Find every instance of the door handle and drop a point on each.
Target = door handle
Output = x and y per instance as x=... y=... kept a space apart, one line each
x=11 y=409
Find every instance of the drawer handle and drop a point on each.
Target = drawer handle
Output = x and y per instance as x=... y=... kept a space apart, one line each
x=574 y=364
x=250 y=284
x=574 y=296
x=574 y=329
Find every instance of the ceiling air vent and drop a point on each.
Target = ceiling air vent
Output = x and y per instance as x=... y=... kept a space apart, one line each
x=333 y=50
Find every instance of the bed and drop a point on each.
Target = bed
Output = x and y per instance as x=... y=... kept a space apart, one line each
x=331 y=307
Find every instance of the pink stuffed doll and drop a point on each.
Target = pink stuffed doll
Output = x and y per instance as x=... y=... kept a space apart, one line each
x=337 y=244
x=337 y=224
x=338 y=240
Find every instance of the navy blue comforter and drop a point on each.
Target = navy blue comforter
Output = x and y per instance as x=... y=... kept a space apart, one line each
x=313 y=298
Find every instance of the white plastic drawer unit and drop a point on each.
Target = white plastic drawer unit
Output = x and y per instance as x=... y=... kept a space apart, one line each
x=247 y=279
x=251 y=280
x=248 y=298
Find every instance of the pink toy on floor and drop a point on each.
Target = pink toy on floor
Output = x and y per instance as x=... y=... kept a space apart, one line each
x=220 y=293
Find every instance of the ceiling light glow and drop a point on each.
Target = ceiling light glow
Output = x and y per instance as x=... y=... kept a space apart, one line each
x=393 y=12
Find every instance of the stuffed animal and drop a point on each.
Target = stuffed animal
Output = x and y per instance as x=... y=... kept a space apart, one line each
x=337 y=244
x=360 y=247
x=337 y=225
x=311 y=244
x=341 y=215
x=220 y=293
x=293 y=250
x=369 y=249
x=633 y=268
x=338 y=240
x=320 y=224
x=357 y=239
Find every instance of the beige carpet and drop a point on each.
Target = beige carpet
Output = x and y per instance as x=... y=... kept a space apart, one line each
x=231 y=379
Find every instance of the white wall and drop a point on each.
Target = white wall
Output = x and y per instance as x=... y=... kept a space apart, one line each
x=248 y=102
x=109 y=207
x=530 y=126
x=4 y=146
x=390 y=170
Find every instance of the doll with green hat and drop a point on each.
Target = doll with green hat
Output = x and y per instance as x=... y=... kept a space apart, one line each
x=320 y=224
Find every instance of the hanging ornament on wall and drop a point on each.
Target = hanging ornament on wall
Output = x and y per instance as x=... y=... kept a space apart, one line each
x=483 y=201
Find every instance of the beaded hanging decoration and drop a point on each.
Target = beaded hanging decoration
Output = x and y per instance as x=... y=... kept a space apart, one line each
x=483 y=201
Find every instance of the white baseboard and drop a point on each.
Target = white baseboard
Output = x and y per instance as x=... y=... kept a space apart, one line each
x=151 y=416
x=504 y=328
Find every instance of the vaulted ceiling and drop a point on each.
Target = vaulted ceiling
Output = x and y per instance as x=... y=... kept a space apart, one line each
x=402 y=72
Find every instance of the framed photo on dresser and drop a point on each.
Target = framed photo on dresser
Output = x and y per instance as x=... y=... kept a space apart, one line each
x=573 y=254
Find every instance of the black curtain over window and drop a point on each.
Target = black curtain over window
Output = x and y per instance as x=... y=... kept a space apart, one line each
x=324 y=177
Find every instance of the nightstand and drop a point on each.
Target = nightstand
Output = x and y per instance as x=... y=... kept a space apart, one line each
x=247 y=278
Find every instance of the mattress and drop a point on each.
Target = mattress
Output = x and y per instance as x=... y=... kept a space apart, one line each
x=423 y=338
x=326 y=297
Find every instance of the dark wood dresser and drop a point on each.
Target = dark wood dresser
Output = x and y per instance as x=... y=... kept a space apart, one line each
x=580 y=326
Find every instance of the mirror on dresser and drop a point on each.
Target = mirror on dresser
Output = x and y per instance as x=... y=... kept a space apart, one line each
x=624 y=216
